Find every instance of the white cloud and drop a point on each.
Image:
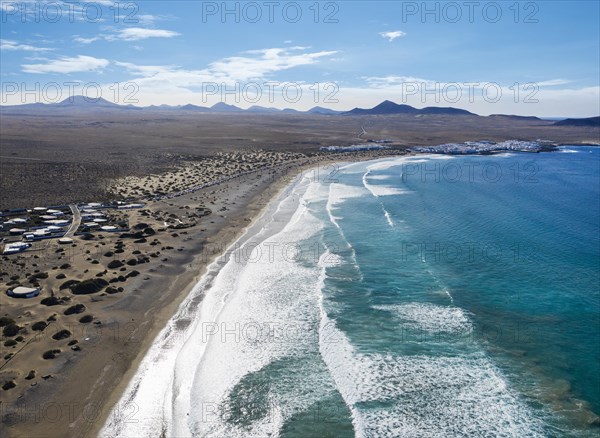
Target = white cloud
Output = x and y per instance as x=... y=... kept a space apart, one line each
x=128 y=34
x=14 y=46
x=67 y=65
x=395 y=81
x=392 y=35
x=83 y=40
x=552 y=82
x=242 y=68
x=256 y=64
x=140 y=33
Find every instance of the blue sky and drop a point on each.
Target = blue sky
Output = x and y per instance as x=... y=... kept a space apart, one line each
x=531 y=58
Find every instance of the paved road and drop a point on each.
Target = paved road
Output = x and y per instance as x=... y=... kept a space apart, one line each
x=76 y=221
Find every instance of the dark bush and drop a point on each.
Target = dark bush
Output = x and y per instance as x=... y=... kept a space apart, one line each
x=77 y=308
x=65 y=266
x=10 y=330
x=63 y=334
x=31 y=375
x=51 y=301
x=90 y=286
x=50 y=354
x=61 y=276
x=9 y=384
x=68 y=284
x=39 y=326
x=85 y=319
x=38 y=276
x=114 y=264
x=133 y=273
x=5 y=320
x=132 y=262
x=149 y=231
x=111 y=290
x=10 y=343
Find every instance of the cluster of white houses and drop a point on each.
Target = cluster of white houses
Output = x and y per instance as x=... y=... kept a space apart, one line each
x=52 y=223
x=39 y=223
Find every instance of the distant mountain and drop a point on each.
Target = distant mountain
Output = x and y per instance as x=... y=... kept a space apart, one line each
x=190 y=107
x=514 y=117
x=223 y=107
x=86 y=102
x=445 y=110
x=73 y=103
x=385 y=107
x=321 y=110
x=389 y=107
x=590 y=121
x=81 y=103
x=262 y=109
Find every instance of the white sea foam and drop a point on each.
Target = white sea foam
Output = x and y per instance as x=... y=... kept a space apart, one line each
x=430 y=317
x=272 y=291
x=379 y=177
x=336 y=195
x=378 y=191
x=423 y=396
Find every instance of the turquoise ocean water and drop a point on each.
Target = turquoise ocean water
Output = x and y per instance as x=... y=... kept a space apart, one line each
x=424 y=296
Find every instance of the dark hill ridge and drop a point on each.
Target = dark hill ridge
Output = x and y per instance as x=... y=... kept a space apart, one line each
x=385 y=107
x=82 y=104
x=389 y=107
x=321 y=110
x=190 y=107
x=262 y=109
x=590 y=121
x=83 y=101
x=223 y=107
x=510 y=116
x=444 y=110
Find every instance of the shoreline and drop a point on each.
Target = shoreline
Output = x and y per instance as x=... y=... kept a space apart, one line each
x=276 y=189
